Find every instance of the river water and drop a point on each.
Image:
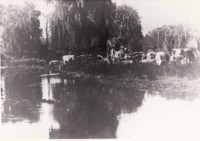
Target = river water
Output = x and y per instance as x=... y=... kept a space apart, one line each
x=55 y=108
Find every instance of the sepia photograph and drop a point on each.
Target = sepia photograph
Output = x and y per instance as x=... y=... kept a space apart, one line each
x=100 y=69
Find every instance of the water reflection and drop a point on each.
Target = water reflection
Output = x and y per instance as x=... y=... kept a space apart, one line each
x=48 y=85
x=65 y=108
x=2 y=88
x=58 y=108
x=24 y=115
x=162 y=119
x=21 y=101
x=90 y=109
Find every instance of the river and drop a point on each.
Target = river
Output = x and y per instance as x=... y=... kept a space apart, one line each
x=53 y=108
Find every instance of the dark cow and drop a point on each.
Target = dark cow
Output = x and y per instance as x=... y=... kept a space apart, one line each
x=189 y=55
x=55 y=66
x=151 y=56
x=137 y=57
x=161 y=58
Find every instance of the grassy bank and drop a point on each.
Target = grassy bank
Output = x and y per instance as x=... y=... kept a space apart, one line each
x=149 y=76
x=149 y=71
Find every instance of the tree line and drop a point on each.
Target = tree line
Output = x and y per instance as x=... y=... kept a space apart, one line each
x=81 y=27
x=21 y=35
x=78 y=26
x=168 y=37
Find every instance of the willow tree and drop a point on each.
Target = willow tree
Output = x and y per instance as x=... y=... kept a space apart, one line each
x=81 y=24
x=167 y=37
x=2 y=8
x=22 y=31
x=88 y=24
x=128 y=27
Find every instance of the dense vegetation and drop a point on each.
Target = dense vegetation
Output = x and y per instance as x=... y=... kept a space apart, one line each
x=82 y=27
x=169 y=37
x=79 y=27
x=22 y=31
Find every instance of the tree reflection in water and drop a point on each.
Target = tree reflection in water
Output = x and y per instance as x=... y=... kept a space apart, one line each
x=60 y=108
x=21 y=100
x=90 y=109
x=162 y=119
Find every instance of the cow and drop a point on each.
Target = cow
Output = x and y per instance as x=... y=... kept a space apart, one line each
x=114 y=55
x=118 y=54
x=55 y=65
x=55 y=62
x=189 y=55
x=151 y=56
x=67 y=58
x=176 y=54
x=185 y=55
x=144 y=58
x=84 y=58
x=137 y=57
x=161 y=58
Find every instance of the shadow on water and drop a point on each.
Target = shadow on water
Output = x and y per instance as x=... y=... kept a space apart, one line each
x=89 y=110
x=60 y=108
x=20 y=100
x=162 y=119
x=57 y=108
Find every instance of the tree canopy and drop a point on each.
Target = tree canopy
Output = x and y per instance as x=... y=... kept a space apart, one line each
x=22 y=31
x=81 y=24
x=168 y=37
x=76 y=26
x=128 y=27
x=87 y=24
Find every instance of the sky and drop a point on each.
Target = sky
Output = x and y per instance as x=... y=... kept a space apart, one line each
x=156 y=13
x=40 y=5
x=153 y=13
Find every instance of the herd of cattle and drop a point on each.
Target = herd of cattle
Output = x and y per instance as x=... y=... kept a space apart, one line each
x=183 y=56
x=179 y=55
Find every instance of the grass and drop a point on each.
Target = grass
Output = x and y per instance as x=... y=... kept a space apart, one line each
x=147 y=71
x=172 y=79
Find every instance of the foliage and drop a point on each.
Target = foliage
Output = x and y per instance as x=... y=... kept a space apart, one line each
x=77 y=27
x=22 y=30
x=81 y=24
x=87 y=25
x=168 y=37
x=127 y=26
x=1 y=13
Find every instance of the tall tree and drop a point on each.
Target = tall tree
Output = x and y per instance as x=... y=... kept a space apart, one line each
x=22 y=30
x=81 y=24
x=128 y=27
x=167 y=37
x=1 y=14
x=88 y=24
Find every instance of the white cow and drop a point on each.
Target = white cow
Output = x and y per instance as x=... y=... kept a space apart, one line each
x=54 y=62
x=118 y=54
x=177 y=54
x=67 y=58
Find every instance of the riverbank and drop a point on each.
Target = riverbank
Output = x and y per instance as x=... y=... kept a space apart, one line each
x=170 y=86
x=169 y=80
